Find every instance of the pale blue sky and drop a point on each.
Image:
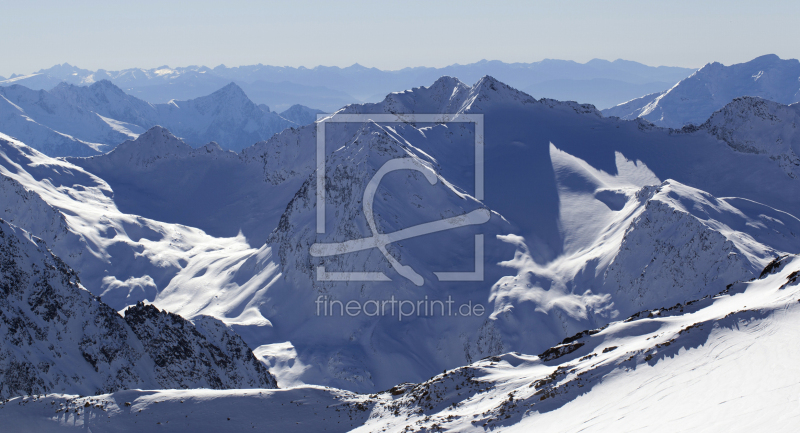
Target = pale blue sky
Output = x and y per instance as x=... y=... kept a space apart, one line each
x=389 y=35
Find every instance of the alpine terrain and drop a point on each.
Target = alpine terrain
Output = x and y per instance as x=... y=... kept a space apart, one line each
x=484 y=260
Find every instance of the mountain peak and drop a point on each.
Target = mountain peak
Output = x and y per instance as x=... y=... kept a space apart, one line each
x=489 y=87
x=232 y=90
x=488 y=80
x=158 y=135
x=106 y=85
x=751 y=124
x=447 y=81
x=698 y=96
x=156 y=143
x=767 y=58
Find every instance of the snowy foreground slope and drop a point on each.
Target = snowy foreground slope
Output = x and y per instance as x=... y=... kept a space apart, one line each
x=693 y=99
x=591 y=219
x=723 y=362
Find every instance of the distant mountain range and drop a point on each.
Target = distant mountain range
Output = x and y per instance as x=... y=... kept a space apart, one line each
x=599 y=82
x=694 y=98
x=89 y=119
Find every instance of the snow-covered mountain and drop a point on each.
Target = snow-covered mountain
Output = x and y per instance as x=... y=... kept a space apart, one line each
x=632 y=109
x=203 y=354
x=58 y=337
x=713 y=86
x=591 y=219
x=301 y=115
x=56 y=127
x=226 y=116
x=660 y=370
x=626 y=255
x=217 y=191
x=597 y=81
x=72 y=120
x=755 y=125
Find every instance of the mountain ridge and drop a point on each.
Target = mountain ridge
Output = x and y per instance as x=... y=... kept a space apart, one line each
x=329 y=88
x=696 y=97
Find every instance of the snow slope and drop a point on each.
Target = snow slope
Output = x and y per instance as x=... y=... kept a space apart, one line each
x=57 y=128
x=719 y=362
x=633 y=108
x=695 y=98
x=125 y=258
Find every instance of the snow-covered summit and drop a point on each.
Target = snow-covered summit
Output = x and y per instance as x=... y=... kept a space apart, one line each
x=450 y=95
x=695 y=98
x=226 y=116
x=156 y=143
x=108 y=100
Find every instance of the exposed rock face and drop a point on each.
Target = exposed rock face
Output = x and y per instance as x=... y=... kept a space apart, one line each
x=207 y=356
x=58 y=337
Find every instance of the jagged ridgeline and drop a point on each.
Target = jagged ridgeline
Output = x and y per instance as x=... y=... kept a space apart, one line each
x=57 y=337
